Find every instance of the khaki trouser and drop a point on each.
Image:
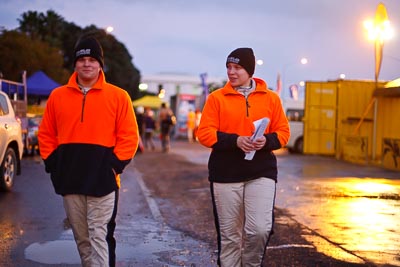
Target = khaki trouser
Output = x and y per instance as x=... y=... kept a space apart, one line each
x=93 y=223
x=244 y=218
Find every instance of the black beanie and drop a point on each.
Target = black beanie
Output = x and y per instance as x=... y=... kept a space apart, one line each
x=244 y=57
x=89 y=47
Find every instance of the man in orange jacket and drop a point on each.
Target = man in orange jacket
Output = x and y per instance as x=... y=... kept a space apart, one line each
x=242 y=190
x=87 y=136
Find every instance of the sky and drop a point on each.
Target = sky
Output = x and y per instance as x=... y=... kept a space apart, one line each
x=193 y=37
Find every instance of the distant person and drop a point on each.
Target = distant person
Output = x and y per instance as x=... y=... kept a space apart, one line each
x=166 y=121
x=190 y=125
x=87 y=136
x=149 y=127
x=140 y=119
x=198 y=119
x=140 y=122
x=243 y=191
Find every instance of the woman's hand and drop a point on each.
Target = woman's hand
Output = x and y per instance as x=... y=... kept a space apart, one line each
x=246 y=145
x=259 y=142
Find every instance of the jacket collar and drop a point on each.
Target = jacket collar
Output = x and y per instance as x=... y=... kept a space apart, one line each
x=72 y=82
x=261 y=86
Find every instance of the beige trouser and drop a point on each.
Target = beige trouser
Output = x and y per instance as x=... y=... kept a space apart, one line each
x=244 y=218
x=89 y=218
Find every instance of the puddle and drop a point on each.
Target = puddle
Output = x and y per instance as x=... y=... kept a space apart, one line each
x=144 y=243
x=358 y=214
x=53 y=252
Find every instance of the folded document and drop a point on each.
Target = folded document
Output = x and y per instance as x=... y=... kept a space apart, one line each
x=260 y=126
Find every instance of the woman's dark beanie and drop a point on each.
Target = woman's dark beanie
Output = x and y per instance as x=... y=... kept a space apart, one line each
x=244 y=57
x=89 y=47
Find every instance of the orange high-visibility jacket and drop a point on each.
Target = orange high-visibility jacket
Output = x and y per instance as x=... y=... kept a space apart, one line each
x=86 y=139
x=226 y=115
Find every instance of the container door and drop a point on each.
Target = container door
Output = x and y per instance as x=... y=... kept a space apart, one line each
x=320 y=118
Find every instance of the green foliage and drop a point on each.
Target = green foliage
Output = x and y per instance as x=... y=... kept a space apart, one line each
x=18 y=52
x=46 y=42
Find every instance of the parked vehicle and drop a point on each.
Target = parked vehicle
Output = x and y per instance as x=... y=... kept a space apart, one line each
x=294 y=110
x=11 y=146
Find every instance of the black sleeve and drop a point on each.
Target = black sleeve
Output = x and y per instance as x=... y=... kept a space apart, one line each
x=225 y=141
x=272 y=142
x=118 y=165
x=51 y=162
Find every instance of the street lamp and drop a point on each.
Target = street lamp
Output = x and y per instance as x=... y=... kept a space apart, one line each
x=379 y=30
x=109 y=29
x=303 y=61
x=143 y=86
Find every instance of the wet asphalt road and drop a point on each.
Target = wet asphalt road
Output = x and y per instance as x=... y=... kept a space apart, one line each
x=352 y=210
x=34 y=231
x=318 y=213
x=353 y=206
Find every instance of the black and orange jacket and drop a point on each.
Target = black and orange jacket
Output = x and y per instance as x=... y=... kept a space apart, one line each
x=226 y=116
x=86 y=140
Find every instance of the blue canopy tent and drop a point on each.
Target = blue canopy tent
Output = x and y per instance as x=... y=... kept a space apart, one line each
x=40 y=84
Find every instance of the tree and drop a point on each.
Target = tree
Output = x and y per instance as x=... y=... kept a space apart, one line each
x=57 y=33
x=18 y=52
x=32 y=23
x=53 y=28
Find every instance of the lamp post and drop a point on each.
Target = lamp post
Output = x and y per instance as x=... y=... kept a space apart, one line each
x=379 y=30
x=303 y=61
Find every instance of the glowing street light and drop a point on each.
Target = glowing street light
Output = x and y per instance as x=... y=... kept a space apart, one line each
x=303 y=61
x=143 y=86
x=109 y=29
x=379 y=30
x=161 y=94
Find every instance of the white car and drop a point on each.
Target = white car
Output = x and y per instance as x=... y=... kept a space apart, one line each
x=294 y=110
x=11 y=146
x=295 y=118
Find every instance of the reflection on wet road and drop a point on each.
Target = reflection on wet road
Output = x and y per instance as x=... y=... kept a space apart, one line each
x=357 y=213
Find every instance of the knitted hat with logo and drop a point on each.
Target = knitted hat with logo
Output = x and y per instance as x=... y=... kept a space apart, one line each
x=244 y=57
x=89 y=47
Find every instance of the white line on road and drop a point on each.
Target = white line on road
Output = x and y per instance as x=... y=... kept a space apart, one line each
x=155 y=211
x=291 y=246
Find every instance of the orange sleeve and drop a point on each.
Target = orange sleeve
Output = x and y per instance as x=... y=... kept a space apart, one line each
x=209 y=123
x=280 y=124
x=47 y=135
x=127 y=132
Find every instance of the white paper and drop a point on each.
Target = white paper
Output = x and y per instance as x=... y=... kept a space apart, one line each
x=260 y=126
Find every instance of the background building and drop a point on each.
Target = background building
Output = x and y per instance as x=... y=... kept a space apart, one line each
x=181 y=92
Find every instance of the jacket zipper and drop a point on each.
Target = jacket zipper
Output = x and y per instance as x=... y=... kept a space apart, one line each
x=83 y=104
x=247 y=105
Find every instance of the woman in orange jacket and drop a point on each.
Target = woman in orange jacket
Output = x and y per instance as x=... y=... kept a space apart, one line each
x=242 y=190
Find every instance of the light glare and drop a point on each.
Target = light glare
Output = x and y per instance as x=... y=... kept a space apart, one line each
x=109 y=29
